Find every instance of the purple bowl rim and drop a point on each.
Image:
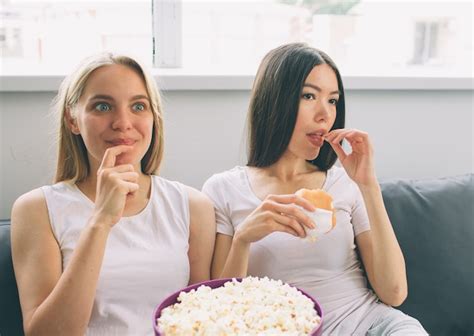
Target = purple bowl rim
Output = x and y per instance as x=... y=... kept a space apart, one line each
x=222 y=281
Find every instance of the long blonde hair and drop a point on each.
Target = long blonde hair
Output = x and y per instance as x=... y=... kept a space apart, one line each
x=73 y=162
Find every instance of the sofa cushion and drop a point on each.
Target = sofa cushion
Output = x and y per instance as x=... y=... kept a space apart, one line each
x=433 y=221
x=10 y=313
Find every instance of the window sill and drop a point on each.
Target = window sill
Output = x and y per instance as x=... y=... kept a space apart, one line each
x=197 y=82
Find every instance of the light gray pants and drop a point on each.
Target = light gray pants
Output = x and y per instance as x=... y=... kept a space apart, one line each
x=395 y=322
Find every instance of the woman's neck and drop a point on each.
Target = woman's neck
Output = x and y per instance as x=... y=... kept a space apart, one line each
x=289 y=168
x=285 y=176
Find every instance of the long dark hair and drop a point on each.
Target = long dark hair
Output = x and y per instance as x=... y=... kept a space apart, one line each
x=275 y=100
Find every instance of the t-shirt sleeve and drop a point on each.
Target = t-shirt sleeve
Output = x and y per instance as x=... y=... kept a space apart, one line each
x=360 y=219
x=214 y=188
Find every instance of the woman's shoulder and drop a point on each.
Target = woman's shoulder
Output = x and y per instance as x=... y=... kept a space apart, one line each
x=30 y=205
x=340 y=184
x=35 y=202
x=230 y=176
x=337 y=174
x=196 y=199
x=161 y=184
x=337 y=179
x=30 y=198
x=164 y=185
x=37 y=196
x=199 y=203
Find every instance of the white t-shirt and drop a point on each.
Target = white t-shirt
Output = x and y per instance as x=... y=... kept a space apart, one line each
x=328 y=269
x=145 y=258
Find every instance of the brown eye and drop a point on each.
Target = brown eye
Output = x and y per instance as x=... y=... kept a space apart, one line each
x=308 y=96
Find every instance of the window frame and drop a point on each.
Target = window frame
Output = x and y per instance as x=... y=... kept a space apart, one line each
x=169 y=81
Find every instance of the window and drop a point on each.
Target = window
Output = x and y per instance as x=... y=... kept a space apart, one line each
x=372 y=38
x=55 y=35
x=366 y=38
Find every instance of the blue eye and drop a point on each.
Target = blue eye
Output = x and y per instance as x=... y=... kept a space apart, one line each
x=139 y=107
x=102 y=107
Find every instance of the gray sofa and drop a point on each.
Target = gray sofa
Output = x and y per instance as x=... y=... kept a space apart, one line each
x=434 y=223
x=433 y=220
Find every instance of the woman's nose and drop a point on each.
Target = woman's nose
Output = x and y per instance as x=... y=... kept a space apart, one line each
x=122 y=119
x=322 y=113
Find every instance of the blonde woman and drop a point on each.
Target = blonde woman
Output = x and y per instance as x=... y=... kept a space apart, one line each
x=98 y=250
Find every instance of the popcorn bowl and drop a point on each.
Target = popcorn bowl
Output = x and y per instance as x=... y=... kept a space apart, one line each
x=173 y=298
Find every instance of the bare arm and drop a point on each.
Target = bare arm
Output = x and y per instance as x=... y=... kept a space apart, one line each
x=56 y=301
x=380 y=251
x=201 y=237
x=51 y=303
x=231 y=257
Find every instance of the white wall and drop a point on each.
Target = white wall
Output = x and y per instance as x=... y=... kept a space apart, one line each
x=415 y=133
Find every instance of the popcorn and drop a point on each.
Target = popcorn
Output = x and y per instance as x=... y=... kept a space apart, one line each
x=254 y=306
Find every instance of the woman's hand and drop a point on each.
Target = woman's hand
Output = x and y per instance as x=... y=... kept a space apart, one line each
x=276 y=213
x=359 y=164
x=114 y=184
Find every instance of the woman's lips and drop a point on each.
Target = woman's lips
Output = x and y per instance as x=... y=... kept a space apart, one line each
x=118 y=142
x=316 y=139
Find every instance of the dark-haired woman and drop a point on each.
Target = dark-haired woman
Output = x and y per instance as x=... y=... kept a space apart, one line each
x=296 y=121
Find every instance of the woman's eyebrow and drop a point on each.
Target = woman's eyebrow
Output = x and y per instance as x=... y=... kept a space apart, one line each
x=101 y=97
x=110 y=98
x=137 y=97
x=317 y=88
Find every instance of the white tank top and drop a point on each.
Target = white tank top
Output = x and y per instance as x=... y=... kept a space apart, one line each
x=146 y=256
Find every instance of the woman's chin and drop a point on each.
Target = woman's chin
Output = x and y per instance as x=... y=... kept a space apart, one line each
x=313 y=155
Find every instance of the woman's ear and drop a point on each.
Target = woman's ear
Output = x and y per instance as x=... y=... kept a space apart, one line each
x=71 y=122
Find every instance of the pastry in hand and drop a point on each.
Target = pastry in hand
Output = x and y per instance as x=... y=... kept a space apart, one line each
x=325 y=215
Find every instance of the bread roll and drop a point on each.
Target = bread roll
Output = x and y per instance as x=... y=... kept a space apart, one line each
x=320 y=199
